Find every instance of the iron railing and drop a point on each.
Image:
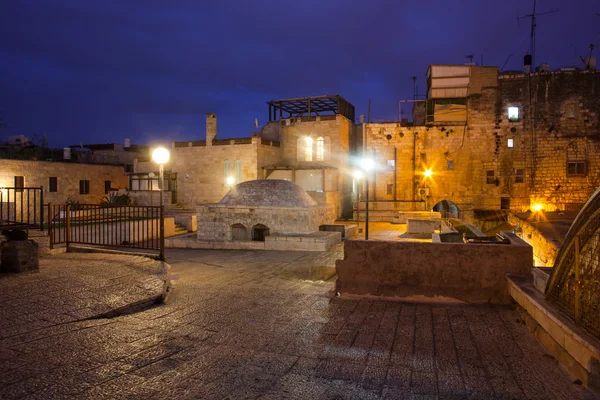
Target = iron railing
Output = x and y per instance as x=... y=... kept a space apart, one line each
x=133 y=227
x=22 y=207
x=574 y=287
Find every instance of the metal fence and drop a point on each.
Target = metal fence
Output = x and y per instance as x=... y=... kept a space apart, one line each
x=133 y=227
x=22 y=207
x=574 y=287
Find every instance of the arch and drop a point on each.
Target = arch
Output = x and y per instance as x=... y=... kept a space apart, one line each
x=239 y=232
x=260 y=232
x=447 y=208
x=574 y=286
x=238 y=171
x=226 y=165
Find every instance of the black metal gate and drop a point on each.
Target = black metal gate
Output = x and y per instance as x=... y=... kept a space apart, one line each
x=22 y=207
x=133 y=227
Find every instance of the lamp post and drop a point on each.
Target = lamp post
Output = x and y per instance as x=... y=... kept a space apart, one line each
x=151 y=176
x=367 y=165
x=161 y=156
x=358 y=176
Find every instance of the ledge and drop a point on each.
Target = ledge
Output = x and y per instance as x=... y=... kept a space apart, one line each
x=576 y=351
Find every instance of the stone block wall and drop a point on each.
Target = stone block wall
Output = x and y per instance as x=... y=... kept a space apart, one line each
x=474 y=273
x=215 y=220
x=37 y=173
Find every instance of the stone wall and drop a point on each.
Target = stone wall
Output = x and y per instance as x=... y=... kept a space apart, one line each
x=475 y=273
x=37 y=173
x=561 y=125
x=215 y=220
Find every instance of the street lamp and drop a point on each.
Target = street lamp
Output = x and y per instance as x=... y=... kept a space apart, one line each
x=358 y=176
x=230 y=181
x=367 y=165
x=161 y=156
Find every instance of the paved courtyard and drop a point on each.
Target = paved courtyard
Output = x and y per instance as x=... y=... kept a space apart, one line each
x=244 y=325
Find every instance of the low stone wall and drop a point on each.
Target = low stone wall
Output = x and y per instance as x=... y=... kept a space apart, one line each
x=544 y=251
x=469 y=272
x=423 y=226
x=316 y=241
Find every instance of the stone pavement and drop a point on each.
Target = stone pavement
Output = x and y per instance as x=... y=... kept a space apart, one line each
x=241 y=325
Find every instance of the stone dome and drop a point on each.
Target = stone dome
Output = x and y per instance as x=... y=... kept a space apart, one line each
x=268 y=193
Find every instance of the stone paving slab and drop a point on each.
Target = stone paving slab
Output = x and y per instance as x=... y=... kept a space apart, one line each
x=75 y=286
x=238 y=326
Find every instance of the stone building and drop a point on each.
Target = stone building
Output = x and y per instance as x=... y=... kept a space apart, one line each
x=490 y=141
x=481 y=141
x=86 y=183
x=307 y=141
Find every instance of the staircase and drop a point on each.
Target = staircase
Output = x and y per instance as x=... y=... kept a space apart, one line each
x=180 y=230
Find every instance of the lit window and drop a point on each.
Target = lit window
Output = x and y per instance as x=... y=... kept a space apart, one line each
x=510 y=143
x=513 y=114
x=308 y=152
x=519 y=175
x=225 y=171
x=320 y=149
x=391 y=165
x=490 y=177
x=570 y=111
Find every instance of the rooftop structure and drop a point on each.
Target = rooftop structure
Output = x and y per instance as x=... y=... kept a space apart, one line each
x=314 y=106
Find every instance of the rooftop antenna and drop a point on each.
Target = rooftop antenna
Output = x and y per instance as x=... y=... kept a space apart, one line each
x=414 y=79
x=506 y=62
x=470 y=57
x=533 y=16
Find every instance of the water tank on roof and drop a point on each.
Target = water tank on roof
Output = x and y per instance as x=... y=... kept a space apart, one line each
x=545 y=67
x=127 y=143
x=67 y=153
x=527 y=63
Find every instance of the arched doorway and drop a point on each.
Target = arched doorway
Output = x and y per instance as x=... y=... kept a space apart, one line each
x=447 y=208
x=259 y=232
x=239 y=232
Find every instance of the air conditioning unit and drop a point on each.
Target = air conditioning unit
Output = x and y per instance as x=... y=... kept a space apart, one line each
x=424 y=191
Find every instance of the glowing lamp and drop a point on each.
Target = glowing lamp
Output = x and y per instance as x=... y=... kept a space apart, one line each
x=367 y=164
x=358 y=174
x=538 y=207
x=161 y=155
x=230 y=180
x=428 y=173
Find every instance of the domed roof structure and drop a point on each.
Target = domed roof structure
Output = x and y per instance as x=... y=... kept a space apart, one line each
x=268 y=193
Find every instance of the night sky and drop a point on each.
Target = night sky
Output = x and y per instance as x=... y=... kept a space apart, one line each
x=100 y=71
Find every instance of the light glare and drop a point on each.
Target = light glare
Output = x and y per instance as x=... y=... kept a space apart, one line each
x=161 y=155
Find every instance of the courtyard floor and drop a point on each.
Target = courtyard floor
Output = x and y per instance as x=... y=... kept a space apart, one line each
x=244 y=325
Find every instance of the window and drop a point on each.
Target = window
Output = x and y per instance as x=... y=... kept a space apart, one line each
x=107 y=187
x=308 y=153
x=391 y=165
x=225 y=171
x=519 y=175
x=505 y=203
x=84 y=187
x=576 y=168
x=514 y=114
x=19 y=183
x=570 y=111
x=510 y=143
x=320 y=149
x=490 y=177
x=238 y=171
x=53 y=184
x=390 y=188
x=450 y=164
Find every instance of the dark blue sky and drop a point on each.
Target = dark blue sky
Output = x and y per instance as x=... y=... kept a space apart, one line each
x=101 y=71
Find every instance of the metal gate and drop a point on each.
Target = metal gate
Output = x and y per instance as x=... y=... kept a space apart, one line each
x=22 y=207
x=132 y=227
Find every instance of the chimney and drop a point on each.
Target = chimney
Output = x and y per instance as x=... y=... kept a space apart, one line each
x=527 y=63
x=211 y=128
